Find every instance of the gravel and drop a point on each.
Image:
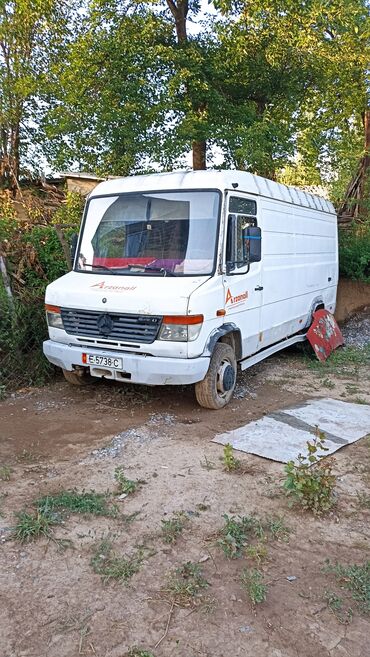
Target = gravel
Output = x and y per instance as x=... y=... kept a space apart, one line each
x=356 y=330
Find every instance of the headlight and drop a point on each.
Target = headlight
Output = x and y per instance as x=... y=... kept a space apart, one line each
x=54 y=317
x=180 y=328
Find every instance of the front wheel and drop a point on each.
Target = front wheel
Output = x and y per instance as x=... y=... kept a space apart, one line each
x=217 y=388
x=77 y=377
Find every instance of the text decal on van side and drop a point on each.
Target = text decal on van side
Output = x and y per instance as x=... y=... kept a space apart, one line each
x=237 y=300
x=113 y=288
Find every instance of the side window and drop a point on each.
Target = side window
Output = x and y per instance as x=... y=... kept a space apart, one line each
x=242 y=214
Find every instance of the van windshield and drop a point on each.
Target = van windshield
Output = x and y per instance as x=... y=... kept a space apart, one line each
x=161 y=233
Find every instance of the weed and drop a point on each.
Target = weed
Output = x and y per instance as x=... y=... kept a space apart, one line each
x=110 y=566
x=171 y=529
x=342 y=362
x=124 y=485
x=363 y=500
x=236 y=534
x=335 y=604
x=231 y=464
x=27 y=456
x=356 y=579
x=30 y=527
x=277 y=528
x=5 y=472
x=327 y=383
x=202 y=507
x=257 y=552
x=137 y=652
x=2 y=498
x=186 y=584
x=70 y=501
x=252 y=581
x=360 y=400
x=352 y=388
x=311 y=483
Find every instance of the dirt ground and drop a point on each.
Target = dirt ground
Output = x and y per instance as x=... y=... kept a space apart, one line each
x=53 y=604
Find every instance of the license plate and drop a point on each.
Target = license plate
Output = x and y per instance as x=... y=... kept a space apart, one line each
x=103 y=361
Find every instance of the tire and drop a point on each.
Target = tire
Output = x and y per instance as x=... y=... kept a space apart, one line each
x=77 y=377
x=214 y=392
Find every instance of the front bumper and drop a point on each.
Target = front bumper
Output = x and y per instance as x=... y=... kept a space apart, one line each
x=149 y=370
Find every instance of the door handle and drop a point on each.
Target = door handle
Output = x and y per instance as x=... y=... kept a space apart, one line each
x=258 y=288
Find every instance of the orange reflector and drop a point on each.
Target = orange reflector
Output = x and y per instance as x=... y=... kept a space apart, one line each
x=84 y=359
x=183 y=319
x=52 y=309
x=221 y=313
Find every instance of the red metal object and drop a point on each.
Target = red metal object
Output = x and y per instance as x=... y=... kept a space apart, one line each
x=324 y=334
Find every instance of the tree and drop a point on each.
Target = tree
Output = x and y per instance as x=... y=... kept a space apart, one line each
x=300 y=68
x=107 y=98
x=32 y=35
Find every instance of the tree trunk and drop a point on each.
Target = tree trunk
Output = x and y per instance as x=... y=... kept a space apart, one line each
x=179 y=10
x=15 y=156
x=199 y=155
x=366 y=158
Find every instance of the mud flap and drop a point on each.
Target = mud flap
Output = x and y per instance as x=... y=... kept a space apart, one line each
x=324 y=334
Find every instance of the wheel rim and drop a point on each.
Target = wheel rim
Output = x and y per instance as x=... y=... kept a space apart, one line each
x=225 y=379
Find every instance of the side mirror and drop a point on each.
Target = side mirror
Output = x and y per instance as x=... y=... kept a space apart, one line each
x=74 y=240
x=252 y=244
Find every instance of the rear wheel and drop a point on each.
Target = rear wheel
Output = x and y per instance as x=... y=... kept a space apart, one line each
x=217 y=388
x=77 y=377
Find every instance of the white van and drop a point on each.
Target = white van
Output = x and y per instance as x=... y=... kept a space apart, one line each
x=180 y=277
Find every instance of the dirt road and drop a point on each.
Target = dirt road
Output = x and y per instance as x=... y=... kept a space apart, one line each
x=53 y=604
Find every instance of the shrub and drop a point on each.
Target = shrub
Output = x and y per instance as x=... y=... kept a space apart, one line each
x=252 y=582
x=35 y=257
x=354 y=253
x=310 y=482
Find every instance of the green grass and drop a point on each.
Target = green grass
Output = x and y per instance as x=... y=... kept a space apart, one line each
x=186 y=584
x=327 y=383
x=236 y=534
x=276 y=526
x=137 y=652
x=257 y=552
x=344 y=361
x=363 y=500
x=252 y=582
x=32 y=526
x=172 y=528
x=70 y=501
x=336 y=605
x=2 y=498
x=5 y=472
x=109 y=566
x=356 y=579
x=240 y=533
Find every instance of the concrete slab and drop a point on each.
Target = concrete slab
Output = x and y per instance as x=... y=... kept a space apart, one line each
x=283 y=435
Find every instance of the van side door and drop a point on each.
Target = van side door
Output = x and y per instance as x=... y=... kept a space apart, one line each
x=242 y=279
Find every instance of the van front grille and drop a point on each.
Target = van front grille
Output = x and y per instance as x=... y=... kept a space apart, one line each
x=115 y=326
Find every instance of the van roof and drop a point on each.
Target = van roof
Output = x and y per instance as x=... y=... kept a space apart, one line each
x=241 y=181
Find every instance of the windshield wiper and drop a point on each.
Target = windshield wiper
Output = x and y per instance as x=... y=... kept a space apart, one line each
x=86 y=264
x=142 y=267
x=166 y=272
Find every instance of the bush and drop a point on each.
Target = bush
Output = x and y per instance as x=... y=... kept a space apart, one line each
x=22 y=331
x=310 y=483
x=34 y=258
x=354 y=253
